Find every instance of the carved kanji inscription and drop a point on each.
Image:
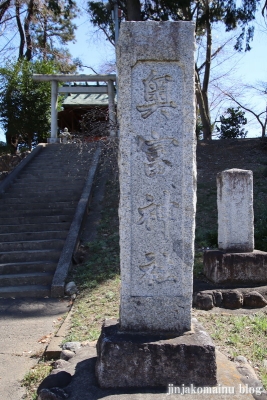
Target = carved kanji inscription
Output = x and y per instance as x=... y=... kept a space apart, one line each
x=157 y=95
x=158 y=268
x=165 y=212
x=156 y=151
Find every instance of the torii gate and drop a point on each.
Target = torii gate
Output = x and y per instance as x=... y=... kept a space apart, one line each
x=55 y=90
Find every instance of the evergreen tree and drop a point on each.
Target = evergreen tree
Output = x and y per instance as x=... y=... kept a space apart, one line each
x=231 y=123
x=43 y=27
x=25 y=104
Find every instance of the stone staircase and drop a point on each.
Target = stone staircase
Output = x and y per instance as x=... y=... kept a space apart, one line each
x=36 y=213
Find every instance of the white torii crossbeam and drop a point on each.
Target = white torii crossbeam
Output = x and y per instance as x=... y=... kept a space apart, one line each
x=55 y=78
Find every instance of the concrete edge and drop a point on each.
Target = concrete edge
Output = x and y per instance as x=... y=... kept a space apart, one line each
x=58 y=283
x=54 y=349
x=9 y=179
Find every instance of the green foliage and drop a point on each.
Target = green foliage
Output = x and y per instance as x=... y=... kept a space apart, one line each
x=101 y=17
x=198 y=263
x=4 y=148
x=231 y=13
x=41 y=28
x=33 y=378
x=231 y=123
x=25 y=104
x=98 y=277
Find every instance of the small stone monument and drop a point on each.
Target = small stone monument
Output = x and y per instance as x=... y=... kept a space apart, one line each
x=65 y=136
x=235 y=211
x=155 y=342
x=235 y=261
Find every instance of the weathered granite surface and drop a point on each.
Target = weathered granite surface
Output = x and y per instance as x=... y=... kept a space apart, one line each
x=235 y=210
x=157 y=174
x=222 y=267
x=136 y=360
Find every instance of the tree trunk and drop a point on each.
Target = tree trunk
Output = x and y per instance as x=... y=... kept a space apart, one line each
x=202 y=101
x=264 y=124
x=12 y=142
x=202 y=92
x=21 y=32
x=28 y=19
x=133 y=10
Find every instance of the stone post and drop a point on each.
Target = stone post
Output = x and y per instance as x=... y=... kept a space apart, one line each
x=236 y=261
x=153 y=344
x=235 y=211
x=111 y=108
x=54 y=99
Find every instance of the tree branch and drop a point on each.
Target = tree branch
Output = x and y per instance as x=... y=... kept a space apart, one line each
x=3 y=8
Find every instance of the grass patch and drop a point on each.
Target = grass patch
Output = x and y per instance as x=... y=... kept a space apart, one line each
x=32 y=379
x=198 y=264
x=98 y=278
x=240 y=335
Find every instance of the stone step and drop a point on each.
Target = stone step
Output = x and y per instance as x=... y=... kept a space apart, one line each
x=36 y=212
x=6 y=199
x=35 y=219
x=59 y=190
x=34 y=183
x=71 y=174
x=61 y=165
x=27 y=267
x=25 y=279
x=60 y=205
x=58 y=168
x=29 y=255
x=6 y=212
x=64 y=226
x=32 y=245
x=28 y=236
x=38 y=291
x=48 y=185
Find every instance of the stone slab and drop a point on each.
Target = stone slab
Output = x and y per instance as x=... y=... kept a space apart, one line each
x=235 y=210
x=156 y=111
x=24 y=322
x=242 y=268
x=136 y=360
x=231 y=385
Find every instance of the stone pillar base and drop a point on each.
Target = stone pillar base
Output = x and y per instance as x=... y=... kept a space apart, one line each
x=141 y=360
x=53 y=140
x=243 y=268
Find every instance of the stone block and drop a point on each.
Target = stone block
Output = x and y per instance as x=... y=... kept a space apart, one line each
x=147 y=360
x=254 y=299
x=232 y=299
x=156 y=111
x=243 y=268
x=204 y=301
x=235 y=210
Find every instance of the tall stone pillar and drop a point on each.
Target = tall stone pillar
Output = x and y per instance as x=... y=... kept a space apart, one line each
x=156 y=111
x=157 y=174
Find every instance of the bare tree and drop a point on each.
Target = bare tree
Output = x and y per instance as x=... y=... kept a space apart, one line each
x=249 y=91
